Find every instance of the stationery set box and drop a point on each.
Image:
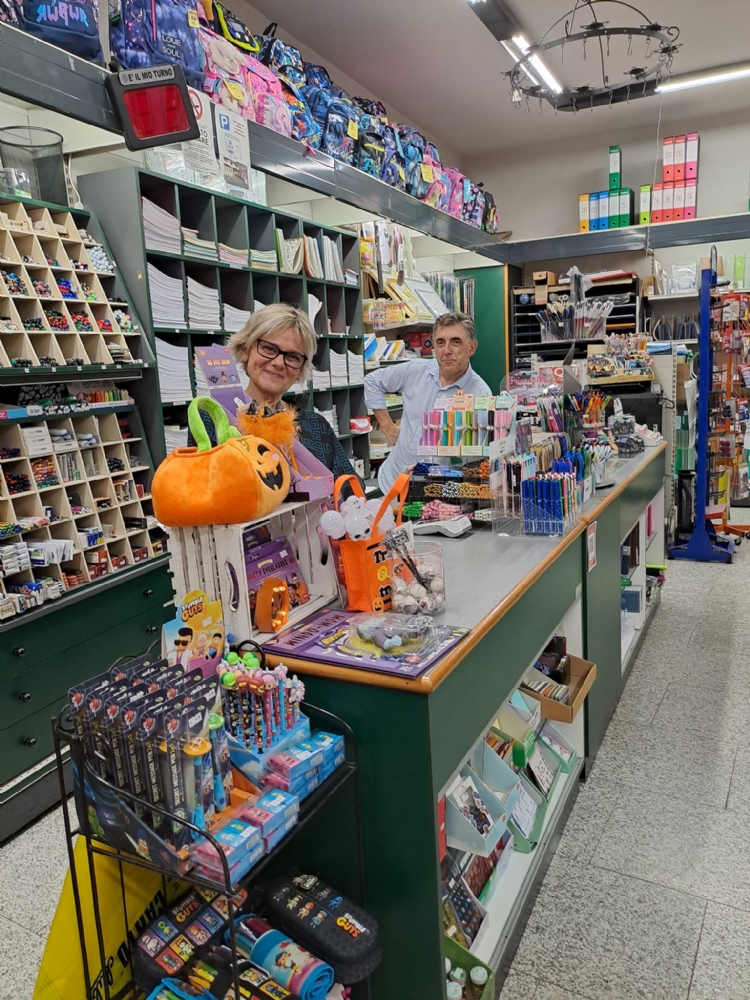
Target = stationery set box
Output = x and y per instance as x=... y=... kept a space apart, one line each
x=266 y=557
x=324 y=637
x=273 y=809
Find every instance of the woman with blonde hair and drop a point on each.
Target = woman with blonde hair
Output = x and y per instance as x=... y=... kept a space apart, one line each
x=275 y=348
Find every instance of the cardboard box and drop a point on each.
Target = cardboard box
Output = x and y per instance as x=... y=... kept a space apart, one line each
x=582 y=676
x=682 y=376
x=583 y=213
x=542 y=279
x=615 y=168
x=644 y=210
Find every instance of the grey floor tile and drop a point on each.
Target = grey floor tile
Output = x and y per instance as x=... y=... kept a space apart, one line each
x=610 y=937
x=32 y=871
x=641 y=699
x=739 y=789
x=716 y=711
x=587 y=822
x=549 y=991
x=518 y=986
x=684 y=845
x=20 y=955
x=676 y=765
x=722 y=969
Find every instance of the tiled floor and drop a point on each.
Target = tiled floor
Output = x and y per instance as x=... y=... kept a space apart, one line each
x=648 y=896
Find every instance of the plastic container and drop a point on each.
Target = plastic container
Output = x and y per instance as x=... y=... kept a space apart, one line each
x=419 y=582
x=39 y=153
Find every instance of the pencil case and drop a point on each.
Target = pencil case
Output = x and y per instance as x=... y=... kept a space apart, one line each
x=328 y=924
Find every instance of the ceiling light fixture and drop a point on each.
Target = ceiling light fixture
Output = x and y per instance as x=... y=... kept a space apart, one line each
x=706 y=79
x=531 y=78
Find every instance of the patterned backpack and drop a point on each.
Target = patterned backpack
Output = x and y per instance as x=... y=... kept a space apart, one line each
x=392 y=169
x=147 y=32
x=226 y=79
x=458 y=184
x=341 y=130
x=370 y=150
x=284 y=60
x=72 y=25
x=473 y=208
x=304 y=127
x=228 y=25
x=271 y=109
x=491 y=217
x=438 y=194
x=369 y=107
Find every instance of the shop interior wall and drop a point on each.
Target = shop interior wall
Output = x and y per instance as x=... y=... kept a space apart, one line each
x=537 y=186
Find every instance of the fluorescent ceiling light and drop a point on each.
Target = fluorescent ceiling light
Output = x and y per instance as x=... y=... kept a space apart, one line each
x=705 y=79
x=515 y=55
x=523 y=46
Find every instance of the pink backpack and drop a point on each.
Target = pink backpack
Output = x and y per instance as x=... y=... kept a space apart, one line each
x=439 y=192
x=226 y=79
x=271 y=109
x=456 y=202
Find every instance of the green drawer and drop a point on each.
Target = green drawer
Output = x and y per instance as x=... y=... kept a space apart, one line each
x=67 y=625
x=26 y=743
x=46 y=684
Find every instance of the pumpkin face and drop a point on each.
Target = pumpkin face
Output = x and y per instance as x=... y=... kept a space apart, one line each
x=270 y=465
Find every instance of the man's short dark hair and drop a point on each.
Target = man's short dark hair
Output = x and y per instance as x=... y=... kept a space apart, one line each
x=455 y=319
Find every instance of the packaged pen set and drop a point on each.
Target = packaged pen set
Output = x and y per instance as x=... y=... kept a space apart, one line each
x=152 y=730
x=466 y=426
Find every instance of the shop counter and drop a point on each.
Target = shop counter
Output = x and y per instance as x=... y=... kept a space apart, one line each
x=414 y=735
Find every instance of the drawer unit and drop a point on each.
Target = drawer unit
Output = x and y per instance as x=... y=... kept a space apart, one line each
x=47 y=683
x=65 y=627
x=26 y=743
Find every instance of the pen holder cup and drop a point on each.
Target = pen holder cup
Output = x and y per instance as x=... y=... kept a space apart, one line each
x=419 y=582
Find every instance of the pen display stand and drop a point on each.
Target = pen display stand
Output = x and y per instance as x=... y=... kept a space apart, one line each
x=543 y=506
x=213 y=559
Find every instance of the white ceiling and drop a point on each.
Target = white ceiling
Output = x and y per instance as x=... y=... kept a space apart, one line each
x=437 y=63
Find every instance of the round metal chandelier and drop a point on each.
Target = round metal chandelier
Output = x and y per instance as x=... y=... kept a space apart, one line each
x=528 y=83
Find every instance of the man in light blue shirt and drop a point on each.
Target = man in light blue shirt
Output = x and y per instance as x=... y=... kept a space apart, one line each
x=420 y=383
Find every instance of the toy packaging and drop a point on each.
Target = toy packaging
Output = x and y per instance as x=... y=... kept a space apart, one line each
x=275 y=559
x=195 y=637
x=331 y=636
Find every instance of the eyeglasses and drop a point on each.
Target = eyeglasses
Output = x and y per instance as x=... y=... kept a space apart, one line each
x=269 y=351
x=182 y=642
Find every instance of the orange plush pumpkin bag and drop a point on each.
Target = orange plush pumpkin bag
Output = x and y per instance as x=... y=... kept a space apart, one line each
x=241 y=479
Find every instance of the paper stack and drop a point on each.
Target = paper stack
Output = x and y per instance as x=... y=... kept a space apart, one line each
x=161 y=231
x=264 y=260
x=298 y=387
x=231 y=255
x=321 y=380
x=289 y=253
x=356 y=368
x=167 y=303
x=313 y=266
x=314 y=305
x=339 y=372
x=174 y=372
x=332 y=417
x=234 y=319
x=195 y=247
x=203 y=306
x=175 y=436
x=334 y=268
x=351 y=277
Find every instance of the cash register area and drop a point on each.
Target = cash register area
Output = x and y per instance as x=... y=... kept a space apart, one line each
x=651 y=879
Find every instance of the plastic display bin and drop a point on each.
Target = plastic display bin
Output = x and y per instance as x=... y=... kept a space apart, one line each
x=565 y=765
x=459 y=956
x=496 y=775
x=461 y=833
x=525 y=845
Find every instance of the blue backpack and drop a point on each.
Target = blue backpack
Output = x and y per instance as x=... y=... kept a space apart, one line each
x=72 y=25
x=337 y=139
x=283 y=59
x=392 y=168
x=147 y=32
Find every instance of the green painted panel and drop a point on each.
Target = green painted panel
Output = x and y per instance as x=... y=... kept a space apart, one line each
x=402 y=882
x=601 y=619
x=489 y=318
x=469 y=698
x=640 y=493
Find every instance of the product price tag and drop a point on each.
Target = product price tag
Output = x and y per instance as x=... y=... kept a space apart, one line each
x=428 y=175
x=234 y=88
x=352 y=129
x=193 y=19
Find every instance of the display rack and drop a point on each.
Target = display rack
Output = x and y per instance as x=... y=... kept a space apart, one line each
x=219 y=218
x=526 y=334
x=109 y=895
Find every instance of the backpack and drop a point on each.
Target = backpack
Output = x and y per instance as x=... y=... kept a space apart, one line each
x=473 y=208
x=229 y=26
x=148 y=32
x=304 y=126
x=271 y=109
x=438 y=194
x=416 y=185
x=370 y=151
x=284 y=60
x=392 y=169
x=71 y=25
x=369 y=107
x=412 y=143
x=456 y=202
x=491 y=217
x=226 y=79
x=317 y=76
x=341 y=130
